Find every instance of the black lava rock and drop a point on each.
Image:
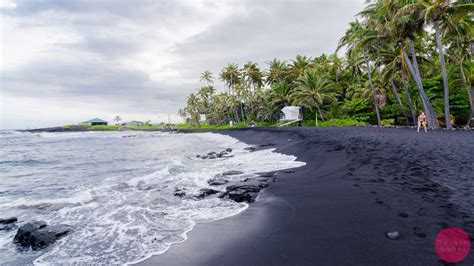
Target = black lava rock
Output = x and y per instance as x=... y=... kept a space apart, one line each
x=23 y=234
x=46 y=236
x=216 y=181
x=232 y=172
x=38 y=235
x=206 y=192
x=8 y=220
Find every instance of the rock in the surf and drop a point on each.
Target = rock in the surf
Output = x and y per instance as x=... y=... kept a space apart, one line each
x=243 y=192
x=46 y=236
x=23 y=234
x=232 y=172
x=217 y=181
x=206 y=192
x=8 y=220
x=38 y=234
x=7 y=227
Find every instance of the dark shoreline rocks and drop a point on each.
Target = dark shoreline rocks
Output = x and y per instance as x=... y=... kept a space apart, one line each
x=8 y=220
x=206 y=192
x=217 y=181
x=215 y=155
x=37 y=234
x=232 y=172
x=8 y=224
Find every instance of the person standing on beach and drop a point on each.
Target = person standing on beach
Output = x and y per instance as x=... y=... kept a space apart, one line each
x=422 y=122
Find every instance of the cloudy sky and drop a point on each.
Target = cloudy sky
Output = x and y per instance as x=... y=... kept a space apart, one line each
x=66 y=61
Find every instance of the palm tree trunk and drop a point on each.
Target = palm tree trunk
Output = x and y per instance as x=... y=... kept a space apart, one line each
x=447 y=117
x=430 y=114
x=320 y=113
x=408 y=97
x=395 y=93
x=242 y=111
x=379 y=123
x=468 y=87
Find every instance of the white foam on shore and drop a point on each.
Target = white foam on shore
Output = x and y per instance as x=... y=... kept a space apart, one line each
x=79 y=198
x=125 y=221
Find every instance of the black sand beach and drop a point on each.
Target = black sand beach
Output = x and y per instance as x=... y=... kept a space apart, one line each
x=358 y=184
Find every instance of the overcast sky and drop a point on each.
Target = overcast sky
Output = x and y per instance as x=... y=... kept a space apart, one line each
x=66 y=61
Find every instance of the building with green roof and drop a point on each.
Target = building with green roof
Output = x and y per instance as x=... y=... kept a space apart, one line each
x=94 y=122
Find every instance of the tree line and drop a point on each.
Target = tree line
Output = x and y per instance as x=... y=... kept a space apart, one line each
x=401 y=57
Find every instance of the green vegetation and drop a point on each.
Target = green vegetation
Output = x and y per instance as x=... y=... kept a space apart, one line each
x=111 y=127
x=401 y=57
x=107 y=128
x=204 y=126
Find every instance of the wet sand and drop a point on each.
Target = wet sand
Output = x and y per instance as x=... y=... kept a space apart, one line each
x=358 y=184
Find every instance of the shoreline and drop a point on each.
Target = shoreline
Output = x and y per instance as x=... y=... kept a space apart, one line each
x=333 y=210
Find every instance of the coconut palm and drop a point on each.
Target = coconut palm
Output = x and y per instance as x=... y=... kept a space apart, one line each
x=313 y=90
x=360 y=40
x=231 y=76
x=252 y=76
x=298 y=66
x=277 y=72
x=207 y=77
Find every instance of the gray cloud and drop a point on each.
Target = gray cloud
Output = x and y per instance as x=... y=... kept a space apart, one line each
x=111 y=32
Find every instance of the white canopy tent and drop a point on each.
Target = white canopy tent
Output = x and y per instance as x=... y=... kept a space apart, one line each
x=291 y=114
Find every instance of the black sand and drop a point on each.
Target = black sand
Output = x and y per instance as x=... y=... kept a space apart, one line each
x=358 y=184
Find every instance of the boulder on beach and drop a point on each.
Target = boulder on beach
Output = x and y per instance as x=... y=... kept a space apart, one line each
x=250 y=148
x=38 y=234
x=247 y=192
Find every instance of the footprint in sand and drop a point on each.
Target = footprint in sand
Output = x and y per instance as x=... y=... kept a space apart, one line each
x=422 y=212
x=403 y=214
x=418 y=232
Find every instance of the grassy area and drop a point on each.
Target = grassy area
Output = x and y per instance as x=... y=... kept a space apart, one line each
x=103 y=128
x=145 y=127
x=204 y=126
x=334 y=123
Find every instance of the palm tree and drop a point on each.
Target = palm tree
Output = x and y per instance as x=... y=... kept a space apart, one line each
x=313 y=90
x=298 y=67
x=458 y=28
x=405 y=25
x=253 y=76
x=277 y=72
x=207 y=77
x=359 y=39
x=231 y=76
x=281 y=95
x=432 y=11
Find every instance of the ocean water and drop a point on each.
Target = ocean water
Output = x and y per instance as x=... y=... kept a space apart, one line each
x=116 y=189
